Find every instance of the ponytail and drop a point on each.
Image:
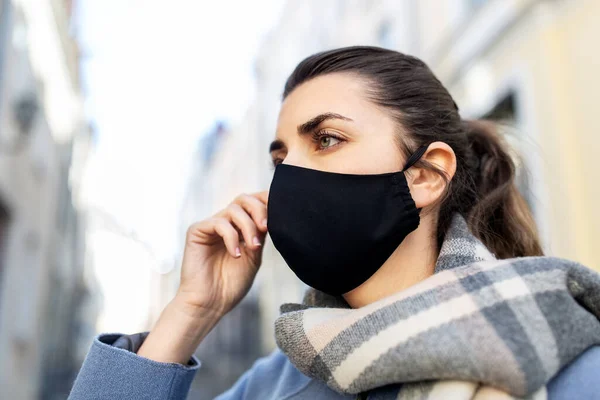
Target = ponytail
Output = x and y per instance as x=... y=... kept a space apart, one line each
x=499 y=215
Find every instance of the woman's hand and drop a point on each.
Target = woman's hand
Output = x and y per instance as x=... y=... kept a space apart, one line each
x=221 y=258
x=222 y=255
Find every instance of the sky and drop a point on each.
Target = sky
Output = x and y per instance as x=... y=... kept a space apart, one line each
x=156 y=76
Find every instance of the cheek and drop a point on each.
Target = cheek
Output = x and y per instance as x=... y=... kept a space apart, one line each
x=421 y=197
x=376 y=156
x=365 y=156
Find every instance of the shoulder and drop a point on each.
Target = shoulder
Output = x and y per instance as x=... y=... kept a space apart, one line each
x=275 y=377
x=278 y=368
x=579 y=379
x=274 y=373
x=276 y=361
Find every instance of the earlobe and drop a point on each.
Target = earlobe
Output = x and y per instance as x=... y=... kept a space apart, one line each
x=428 y=185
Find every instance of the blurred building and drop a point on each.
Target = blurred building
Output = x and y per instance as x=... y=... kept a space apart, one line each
x=215 y=180
x=46 y=317
x=527 y=62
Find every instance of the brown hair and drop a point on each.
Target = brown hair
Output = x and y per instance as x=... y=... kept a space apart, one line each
x=483 y=188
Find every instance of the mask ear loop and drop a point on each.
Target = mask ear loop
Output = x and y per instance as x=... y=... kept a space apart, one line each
x=416 y=156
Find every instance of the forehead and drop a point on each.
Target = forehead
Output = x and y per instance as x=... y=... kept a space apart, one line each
x=344 y=94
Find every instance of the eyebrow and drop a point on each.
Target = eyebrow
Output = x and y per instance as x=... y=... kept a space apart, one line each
x=312 y=124
x=308 y=127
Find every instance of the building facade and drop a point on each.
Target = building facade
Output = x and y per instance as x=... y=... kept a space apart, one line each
x=43 y=147
x=237 y=341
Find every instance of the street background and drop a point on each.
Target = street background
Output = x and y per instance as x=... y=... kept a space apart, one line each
x=124 y=121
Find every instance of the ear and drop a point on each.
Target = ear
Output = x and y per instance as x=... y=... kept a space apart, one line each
x=427 y=186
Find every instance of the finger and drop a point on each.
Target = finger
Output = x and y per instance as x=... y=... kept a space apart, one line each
x=245 y=224
x=230 y=236
x=262 y=196
x=215 y=229
x=256 y=208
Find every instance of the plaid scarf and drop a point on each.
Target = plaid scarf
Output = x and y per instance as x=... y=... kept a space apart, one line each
x=479 y=328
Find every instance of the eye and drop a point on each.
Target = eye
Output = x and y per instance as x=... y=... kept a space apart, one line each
x=326 y=140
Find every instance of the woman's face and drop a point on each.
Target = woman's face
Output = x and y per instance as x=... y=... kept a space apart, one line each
x=328 y=124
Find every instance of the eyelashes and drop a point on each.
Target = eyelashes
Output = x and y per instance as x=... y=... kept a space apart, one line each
x=324 y=136
x=322 y=140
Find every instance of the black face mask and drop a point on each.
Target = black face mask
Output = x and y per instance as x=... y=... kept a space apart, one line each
x=336 y=230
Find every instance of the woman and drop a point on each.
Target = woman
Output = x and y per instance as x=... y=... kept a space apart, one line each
x=397 y=214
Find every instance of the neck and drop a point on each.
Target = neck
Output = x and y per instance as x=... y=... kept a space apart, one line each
x=413 y=261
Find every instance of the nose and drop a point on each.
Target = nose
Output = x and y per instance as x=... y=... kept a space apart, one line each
x=295 y=159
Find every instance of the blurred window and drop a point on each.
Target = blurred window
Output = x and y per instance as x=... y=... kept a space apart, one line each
x=4 y=223
x=386 y=35
x=64 y=214
x=4 y=32
x=210 y=143
x=477 y=3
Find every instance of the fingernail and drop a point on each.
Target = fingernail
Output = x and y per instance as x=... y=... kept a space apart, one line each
x=256 y=241
x=238 y=253
x=264 y=222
